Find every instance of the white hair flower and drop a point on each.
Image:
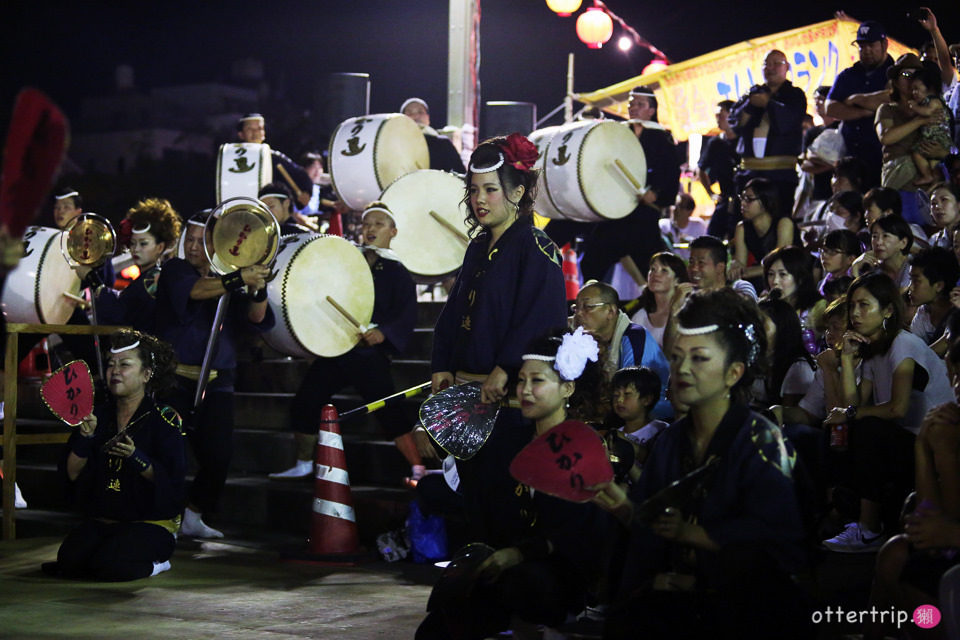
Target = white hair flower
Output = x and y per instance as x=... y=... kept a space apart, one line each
x=572 y=356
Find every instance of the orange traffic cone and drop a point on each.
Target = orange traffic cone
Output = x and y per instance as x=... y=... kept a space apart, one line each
x=333 y=527
x=571 y=272
x=36 y=364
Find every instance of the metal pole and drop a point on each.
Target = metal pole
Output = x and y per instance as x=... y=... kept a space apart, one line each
x=568 y=101
x=207 y=363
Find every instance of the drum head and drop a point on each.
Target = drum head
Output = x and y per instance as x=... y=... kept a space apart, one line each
x=89 y=241
x=245 y=234
x=322 y=274
x=400 y=149
x=431 y=236
x=606 y=190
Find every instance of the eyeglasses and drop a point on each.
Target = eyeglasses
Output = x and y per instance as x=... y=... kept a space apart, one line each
x=829 y=253
x=774 y=63
x=907 y=74
x=746 y=198
x=585 y=308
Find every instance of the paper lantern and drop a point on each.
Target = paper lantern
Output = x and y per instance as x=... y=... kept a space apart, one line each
x=563 y=8
x=594 y=27
x=655 y=66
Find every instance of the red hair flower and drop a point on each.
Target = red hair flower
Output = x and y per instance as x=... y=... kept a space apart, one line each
x=520 y=152
x=125 y=233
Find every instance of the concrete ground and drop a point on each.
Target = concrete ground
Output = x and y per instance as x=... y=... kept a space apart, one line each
x=226 y=591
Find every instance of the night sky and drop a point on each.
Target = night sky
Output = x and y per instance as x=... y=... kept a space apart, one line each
x=70 y=49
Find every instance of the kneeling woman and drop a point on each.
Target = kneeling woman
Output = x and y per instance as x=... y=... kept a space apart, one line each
x=130 y=489
x=554 y=558
x=718 y=564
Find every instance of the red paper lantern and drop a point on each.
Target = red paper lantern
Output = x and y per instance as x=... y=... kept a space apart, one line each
x=563 y=8
x=655 y=66
x=594 y=27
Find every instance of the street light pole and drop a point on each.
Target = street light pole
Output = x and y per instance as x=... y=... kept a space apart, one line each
x=463 y=70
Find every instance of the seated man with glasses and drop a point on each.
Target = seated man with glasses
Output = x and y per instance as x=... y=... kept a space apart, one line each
x=622 y=343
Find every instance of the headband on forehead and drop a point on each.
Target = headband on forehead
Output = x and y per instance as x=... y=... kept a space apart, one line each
x=572 y=354
x=411 y=101
x=749 y=332
x=494 y=167
x=66 y=195
x=196 y=223
x=115 y=350
x=141 y=229
x=378 y=208
x=278 y=195
x=252 y=116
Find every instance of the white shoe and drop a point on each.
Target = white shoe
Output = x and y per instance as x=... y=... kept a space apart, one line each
x=302 y=469
x=193 y=525
x=160 y=567
x=855 y=538
x=18 y=502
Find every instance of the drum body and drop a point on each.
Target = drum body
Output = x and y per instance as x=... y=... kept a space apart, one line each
x=33 y=292
x=370 y=152
x=242 y=168
x=582 y=176
x=432 y=236
x=309 y=269
x=543 y=205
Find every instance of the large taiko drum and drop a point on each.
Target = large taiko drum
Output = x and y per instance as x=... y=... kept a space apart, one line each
x=322 y=289
x=432 y=237
x=543 y=205
x=35 y=291
x=593 y=171
x=369 y=152
x=242 y=168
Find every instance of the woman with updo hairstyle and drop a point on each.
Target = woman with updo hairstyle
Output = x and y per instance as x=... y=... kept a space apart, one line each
x=509 y=291
x=550 y=551
x=715 y=558
x=126 y=465
x=150 y=230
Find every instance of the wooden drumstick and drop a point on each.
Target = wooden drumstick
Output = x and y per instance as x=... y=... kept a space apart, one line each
x=286 y=176
x=449 y=227
x=81 y=302
x=346 y=314
x=622 y=169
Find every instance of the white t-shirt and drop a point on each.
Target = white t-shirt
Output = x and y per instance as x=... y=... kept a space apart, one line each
x=922 y=327
x=879 y=369
x=642 y=319
x=814 y=400
x=695 y=228
x=798 y=379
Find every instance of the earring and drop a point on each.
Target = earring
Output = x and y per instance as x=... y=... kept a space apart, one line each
x=885 y=328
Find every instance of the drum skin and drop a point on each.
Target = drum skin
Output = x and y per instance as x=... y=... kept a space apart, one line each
x=427 y=248
x=242 y=168
x=580 y=172
x=308 y=268
x=33 y=292
x=369 y=152
x=543 y=205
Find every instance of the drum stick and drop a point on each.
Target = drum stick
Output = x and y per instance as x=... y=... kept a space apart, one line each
x=80 y=301
x=345 y=313
x=622 y=169
x=449 y=227
x=286 y=176
x=389 y=400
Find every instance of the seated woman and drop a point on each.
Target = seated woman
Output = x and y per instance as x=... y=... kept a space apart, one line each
x=131 y=488
x=838 y=250
x=890 y=239
x=150 y=229
x=762 y=230
x=554 y=555
x=789 y=270
x=667 y=274
x=902 y=378
x=945 y=211
x=719 y=565
x=790 y=367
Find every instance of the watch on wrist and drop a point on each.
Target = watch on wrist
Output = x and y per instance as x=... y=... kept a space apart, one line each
x=851 y=412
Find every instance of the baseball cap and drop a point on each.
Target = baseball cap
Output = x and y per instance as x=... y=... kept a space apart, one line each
x=871 y=31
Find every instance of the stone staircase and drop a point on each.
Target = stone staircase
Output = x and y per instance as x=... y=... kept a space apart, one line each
x=263 y=444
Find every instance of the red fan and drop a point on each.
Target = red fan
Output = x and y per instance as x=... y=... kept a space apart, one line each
x=69 y=392
x=457 y=420
x=36 y=144
x=564 y=461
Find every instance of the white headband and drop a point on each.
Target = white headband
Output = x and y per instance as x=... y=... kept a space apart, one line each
x=196 y=222
x=253 y=116
x=533 y=356
x=127 y=348
x=141 y=230
x=499 y=164
x=572 y=354
x=278 y=196
x=411 y=101
x=66 y=195
x=383 y=209
x=697 y=331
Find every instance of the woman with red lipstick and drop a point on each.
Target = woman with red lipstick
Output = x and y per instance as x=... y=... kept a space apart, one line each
x=902 y=379
x=149 y=230
x=130 y=486
x=550 y=554
x=510 y=290
x=716 y=562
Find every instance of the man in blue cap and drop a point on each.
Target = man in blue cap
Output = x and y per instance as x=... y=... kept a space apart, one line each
x=868 y=76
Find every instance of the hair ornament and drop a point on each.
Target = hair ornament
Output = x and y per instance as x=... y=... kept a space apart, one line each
x=574 y=352
x=520 y=152
x=697 y=331
x=536 y=356
x=64 y=196
x=141 y=229
x=125 y=232
x=751 y=334
x=493 y=167
x=116 y=350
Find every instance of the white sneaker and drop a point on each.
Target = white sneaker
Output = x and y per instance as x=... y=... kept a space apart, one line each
x=193 y=525
x=855 y=538
x=302 y=469
x=160 y=567
x=18 y=502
